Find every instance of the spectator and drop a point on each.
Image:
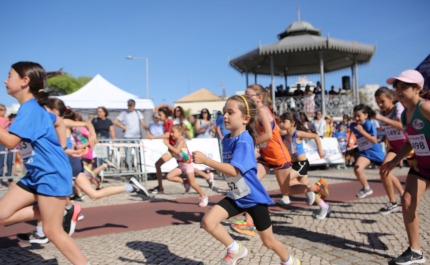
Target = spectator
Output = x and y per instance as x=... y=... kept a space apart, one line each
x=308 y=91
x=318 y=124
x=328 y=128
x=155 y=127
x=18 y=160
x=204 y=125
x=304 y=120
x=332 y=92
x=298 y=92
x=345 y=122
x=317 y=90
x=102 y=125
x=191 y=126
x=130 y=121
x=4 y=123
x=179 y=119
x=220 y=127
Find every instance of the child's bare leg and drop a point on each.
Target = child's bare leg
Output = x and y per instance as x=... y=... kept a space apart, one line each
x=212 y=224
x=175 y=176
x=192 y=181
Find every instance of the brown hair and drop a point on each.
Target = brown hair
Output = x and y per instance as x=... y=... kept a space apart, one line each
x=293 y=118
x=247 y=106
x=387 y=92
x=182 y=128
x=38 y=79
x=259 y=90
x=181 y=115
x=58 y=104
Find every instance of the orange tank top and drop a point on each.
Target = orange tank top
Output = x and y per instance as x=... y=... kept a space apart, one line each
x=273 y=152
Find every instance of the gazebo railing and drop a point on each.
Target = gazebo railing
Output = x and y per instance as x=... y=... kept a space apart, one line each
x=336 y=105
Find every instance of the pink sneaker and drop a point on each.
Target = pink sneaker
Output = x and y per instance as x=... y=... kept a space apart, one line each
x=204 y=201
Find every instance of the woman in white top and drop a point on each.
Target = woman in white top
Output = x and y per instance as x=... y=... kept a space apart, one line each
x=204 y=125
x=318 y=124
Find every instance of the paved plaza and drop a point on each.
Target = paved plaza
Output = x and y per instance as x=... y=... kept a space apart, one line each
x=126 y=229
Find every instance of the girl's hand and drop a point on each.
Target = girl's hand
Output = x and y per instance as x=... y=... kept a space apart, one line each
x=199 y=157
x=75 y=153
x=378 y=116
x=321 y=154
x=359 y=128
x=92 y=140
x=386 y=168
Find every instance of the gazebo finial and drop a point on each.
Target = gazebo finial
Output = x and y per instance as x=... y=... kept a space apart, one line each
x=298 y=13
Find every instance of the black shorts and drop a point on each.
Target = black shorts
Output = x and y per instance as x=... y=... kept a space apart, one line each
x=412 y=171
x=259 y=213
x=350 y=152
x=87 y=160
x=301 y=167
x=22 y=186
x=274 y=167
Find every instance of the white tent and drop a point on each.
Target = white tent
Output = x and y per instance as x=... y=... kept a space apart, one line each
x=99 y=92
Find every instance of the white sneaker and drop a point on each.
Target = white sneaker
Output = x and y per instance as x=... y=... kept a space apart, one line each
x=364 y=192
x=204 y=201
x=284 y=201
x=323 y=213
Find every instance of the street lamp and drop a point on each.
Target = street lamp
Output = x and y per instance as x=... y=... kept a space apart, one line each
x=147 y=77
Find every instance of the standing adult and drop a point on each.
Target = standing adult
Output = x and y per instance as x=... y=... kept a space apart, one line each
x=318 y=124
x=180 y=119
x=191 y=127
x=221 y=131
x=328 y=127
x=204 y=125
x=155 y=127
x=102 y=125
x=4 y=123
x=130 y=121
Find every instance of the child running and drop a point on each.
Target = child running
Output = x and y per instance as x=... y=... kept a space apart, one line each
x=298 y=178
x=246 y=194
x=368 y=148
x=48 y=178
x=273 y=153
x=390 y=116
x=416 y=123
x=180 y=152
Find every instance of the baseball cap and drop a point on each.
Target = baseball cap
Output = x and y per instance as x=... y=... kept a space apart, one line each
x=408 y=76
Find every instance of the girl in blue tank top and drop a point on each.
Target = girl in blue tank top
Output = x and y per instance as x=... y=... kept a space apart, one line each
x=369 y=150
x=49 y=178
x=295 y=134
x=416 y=124
x=246 y=194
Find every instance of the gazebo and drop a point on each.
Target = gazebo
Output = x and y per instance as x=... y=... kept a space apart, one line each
x=302 y=50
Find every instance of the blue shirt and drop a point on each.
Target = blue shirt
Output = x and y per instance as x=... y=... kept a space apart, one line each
x=48 y=169
x=342 y=139
x=371 y=151
x=156 y=129
x=221 y=125
x=239 y=152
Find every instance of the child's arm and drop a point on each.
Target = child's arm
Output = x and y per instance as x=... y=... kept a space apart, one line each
x=387 y=167
x=225 y=168
x=306 y=135
x=172 y=149
x=60 y=128
x=366 y=135
x=395 y=124
x=265 y=118
x=92 y=139
x=9 y=140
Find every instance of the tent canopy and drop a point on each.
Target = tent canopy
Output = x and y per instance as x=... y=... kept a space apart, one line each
x=99 y=92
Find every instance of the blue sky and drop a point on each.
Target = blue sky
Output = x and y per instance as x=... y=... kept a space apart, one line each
x=188 y=43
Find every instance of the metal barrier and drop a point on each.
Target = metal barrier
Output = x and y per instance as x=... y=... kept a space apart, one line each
x=127 y=156
x=7 y=160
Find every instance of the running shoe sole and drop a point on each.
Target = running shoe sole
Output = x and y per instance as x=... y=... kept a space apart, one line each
x=109 y=163
x=135 y=182
x=364 y=195
x=32 y=241
x=326 y=215
x=391 y=211
x=74 y=221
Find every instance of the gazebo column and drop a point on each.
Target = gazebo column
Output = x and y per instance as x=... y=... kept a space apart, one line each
x=357 y=94
x=354 y=97
x=286 y=80
x=246 y=73
x=322 y=84
x=255 y=78
x=272 y=72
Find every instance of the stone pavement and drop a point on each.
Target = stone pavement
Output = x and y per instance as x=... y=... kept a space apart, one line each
x=354 y=233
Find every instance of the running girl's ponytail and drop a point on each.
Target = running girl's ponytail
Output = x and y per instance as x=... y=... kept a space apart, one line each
x=38 y=79
x=247 y=107
x=294 y=118
x=425 y=94
x=366 y=110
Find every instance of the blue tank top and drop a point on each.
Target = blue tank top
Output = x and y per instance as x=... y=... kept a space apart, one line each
x=294 y=148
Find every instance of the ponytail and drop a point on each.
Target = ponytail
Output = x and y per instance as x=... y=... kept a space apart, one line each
x=424 y=94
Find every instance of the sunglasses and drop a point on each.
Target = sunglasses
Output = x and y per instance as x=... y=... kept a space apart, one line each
x=129 y=105
x=204 y=112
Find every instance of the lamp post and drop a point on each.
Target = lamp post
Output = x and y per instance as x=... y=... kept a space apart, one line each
x=147 y=76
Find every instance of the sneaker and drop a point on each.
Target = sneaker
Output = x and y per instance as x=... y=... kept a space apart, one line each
x=409 y=257
x=364 y=192
x=284 y=201
x=77 y=198
x=296 y=261
x=71 y=218
x=32 y=238
x=310 y=198
x=323 y=213
x=244 y=229
x=204 y=201
x=323 y=188
x=109 y=163
x=156 y=190
x=389 y=208
x=81 y=216
x=232 y=258
x=138 y=188
x=240 y=222
x=211 y=181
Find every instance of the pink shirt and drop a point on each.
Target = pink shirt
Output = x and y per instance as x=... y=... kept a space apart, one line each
x=4 y=122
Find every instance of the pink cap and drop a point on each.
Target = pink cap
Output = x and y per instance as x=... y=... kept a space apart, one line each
x=408 y=76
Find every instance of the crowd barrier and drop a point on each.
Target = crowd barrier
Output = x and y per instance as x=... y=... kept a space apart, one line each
x=333 y=154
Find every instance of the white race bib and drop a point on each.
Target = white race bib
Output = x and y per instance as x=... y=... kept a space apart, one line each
x=25 y=149
x=238 y=187
x=419 y=143
x=363 y=144
x=393 y=134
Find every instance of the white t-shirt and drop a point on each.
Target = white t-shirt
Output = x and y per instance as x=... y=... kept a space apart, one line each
x=177 y=121
x=319 y=127
x=131 y=120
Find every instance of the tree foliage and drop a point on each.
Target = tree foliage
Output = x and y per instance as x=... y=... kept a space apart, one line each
x=67 y=84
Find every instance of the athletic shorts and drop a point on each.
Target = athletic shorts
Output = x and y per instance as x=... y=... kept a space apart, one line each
x=87 y=160
x=77 y=166
x=186 y=168
x=26 y=188
x=301 y=167
x=259 y=213
x=409 y=157
x=350 y=152
x=274 y=167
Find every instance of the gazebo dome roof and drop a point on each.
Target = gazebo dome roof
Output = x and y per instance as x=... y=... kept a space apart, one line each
x=299 y=28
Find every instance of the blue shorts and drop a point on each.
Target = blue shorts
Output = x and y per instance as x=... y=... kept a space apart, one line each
x=77 y=166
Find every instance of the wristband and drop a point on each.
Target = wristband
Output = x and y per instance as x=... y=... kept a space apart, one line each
x=65 y=148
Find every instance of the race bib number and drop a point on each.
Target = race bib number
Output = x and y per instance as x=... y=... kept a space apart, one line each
x=26 y=150
x=363 y=144
x=393 y=134
x=419 y=143
x=238 y=187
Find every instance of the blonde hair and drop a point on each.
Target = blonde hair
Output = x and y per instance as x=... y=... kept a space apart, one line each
x=248 y=107
x=259 y=90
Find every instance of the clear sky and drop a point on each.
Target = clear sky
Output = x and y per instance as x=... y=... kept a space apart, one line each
x=188 y=43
